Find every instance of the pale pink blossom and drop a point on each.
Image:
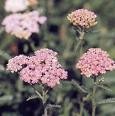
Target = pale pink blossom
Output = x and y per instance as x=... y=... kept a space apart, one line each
x=22 y=25
x=95 y=62
x=43 y=67
x=82 y=18
x=16 y=5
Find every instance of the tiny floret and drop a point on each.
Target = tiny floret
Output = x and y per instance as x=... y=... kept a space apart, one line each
x=43 y=67
x=82 y=18
x=95 y=62
x=16 y=64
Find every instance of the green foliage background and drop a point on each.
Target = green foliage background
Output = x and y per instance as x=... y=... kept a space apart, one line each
x=58 y=35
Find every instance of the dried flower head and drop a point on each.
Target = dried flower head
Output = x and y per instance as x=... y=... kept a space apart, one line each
x=22 y=25
x=82 y=18
x=43 y=67
x=95 y=62
x=32 y=2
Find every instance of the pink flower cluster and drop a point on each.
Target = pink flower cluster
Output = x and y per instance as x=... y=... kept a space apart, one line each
x=43 y=67
x=83 y=18
x=22 y=25
x=95 y=62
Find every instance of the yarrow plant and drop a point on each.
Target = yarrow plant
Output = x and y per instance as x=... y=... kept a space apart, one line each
x=95 y=62
x=22 y=25
x=82 y=18
x=43 y=67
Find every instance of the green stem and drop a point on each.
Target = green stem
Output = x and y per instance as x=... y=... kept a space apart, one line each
x=78 y=45
x=93 y=99
x=80 y=40
x=38 y=93
x=43 y=97
x=81 y=108
x=81 y=35
x=45 y=112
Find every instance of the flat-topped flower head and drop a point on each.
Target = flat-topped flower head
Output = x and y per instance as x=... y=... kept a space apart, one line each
x=22 y=25
x=82 y=18
x=16 y=5
x=43 y=67
x=95 y=62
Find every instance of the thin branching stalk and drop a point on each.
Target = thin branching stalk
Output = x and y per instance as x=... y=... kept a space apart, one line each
x=43 y=97
x=45 y=112
x=78 y=45
x=93 y=99
x=81 y=108
x=80 y=41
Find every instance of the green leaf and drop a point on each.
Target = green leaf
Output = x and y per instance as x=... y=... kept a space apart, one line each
x=6 y=99
x=32 y=97
x=80 y=88
x=4 y=55
x=104 y=87
x=53 y=106
x=38 y=93
x=106 y=101
x=2 y=68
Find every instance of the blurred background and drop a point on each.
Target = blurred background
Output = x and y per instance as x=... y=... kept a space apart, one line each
x=58 y=35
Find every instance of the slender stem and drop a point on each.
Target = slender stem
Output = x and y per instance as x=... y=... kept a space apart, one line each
x=43 y=97
x=44 y=102
x=80 y=40
x=38 y=93
x=78 y=45
x=45 y=112
x=81 y=108
x=53 y=106
x=93 y=99
x=81 y=35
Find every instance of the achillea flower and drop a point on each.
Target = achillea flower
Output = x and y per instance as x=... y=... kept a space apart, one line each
x=95 y=62
x=16 y=5
x=82 y=18
x=43 y=67
x=23 y=25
